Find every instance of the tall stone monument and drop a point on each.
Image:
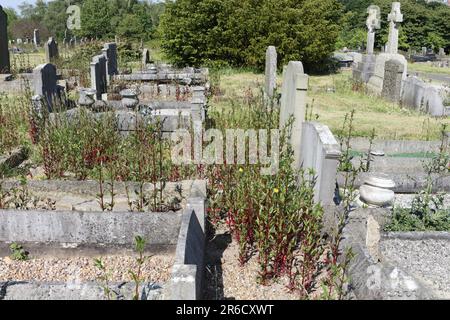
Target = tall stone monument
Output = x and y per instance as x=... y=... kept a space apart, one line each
x=363 y=70
x=372 y=23
x=394 y=18
x=375 y=83
x=271 y=71
x=5 y=66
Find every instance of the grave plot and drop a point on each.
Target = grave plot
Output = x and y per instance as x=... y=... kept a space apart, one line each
x=57 y=241
x=398 y=217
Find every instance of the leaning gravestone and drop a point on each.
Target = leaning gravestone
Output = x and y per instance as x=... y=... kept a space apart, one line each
x=5 y=66
x=271 y=71
x=51 y=50
x=110 y=52
x=293 y=103
x=45 y=83
x=392 y=84
x=99 y=81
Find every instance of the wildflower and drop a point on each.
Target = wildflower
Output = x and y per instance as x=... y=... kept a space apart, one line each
x=276 y=190
x=241 y=170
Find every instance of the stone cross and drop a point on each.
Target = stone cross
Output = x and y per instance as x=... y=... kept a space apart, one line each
x=5 y=65
x=36 y=38
x=51 y=50
x=372 y=22
x=394 y=18
x=271 y=71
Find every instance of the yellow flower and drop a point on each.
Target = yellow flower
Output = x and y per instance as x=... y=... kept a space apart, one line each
x=276 y=190
x=241 y=170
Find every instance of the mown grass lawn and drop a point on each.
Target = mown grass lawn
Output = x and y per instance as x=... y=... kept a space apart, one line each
x=332 y=97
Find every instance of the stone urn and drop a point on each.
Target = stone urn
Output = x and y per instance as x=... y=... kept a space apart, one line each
x=376 y=191
x=86 y=97
x=130 y=98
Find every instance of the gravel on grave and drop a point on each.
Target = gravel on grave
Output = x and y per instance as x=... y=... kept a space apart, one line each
x=427 y=260
x=156 y=269
x=404 y=200
x=226 y=279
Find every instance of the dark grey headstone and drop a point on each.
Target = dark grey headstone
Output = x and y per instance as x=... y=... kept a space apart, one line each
x=110 y=52
x=51 y=50
x=5 y=66
x=99 y=81
x=45 y=82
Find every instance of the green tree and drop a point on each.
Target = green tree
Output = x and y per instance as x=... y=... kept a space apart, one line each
x=239 y=31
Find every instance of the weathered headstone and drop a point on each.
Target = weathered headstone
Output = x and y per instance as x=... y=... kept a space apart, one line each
x=392 y=84
x=99 y=81
x=45 y=83
x=51 y=50
x=372 y=23
x=271 y=70
x=293 y=103
x=72 y=42
x=441 y=52
x=394 y=18
x=110 y=52
x=36 y=38
x=5 y=66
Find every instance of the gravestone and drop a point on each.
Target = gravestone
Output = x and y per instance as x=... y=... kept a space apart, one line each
x=372 y=23
x=392 y=83
x=99 y=81
x=19 y=41
x=363 y=70
x=72 y=42
x=145 y=58
x=375 y=83
x=424 y=51
x=441 y=52
x=394 y=18
x=271 y=70
x=51 y=50
x=36 y=38
x=293 y=103
x=5 y=66
x=45 y=83
x=110 y=52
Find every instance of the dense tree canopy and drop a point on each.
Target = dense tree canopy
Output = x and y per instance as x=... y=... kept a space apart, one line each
x=239 y=31
x=99 y=18
x=424 y=24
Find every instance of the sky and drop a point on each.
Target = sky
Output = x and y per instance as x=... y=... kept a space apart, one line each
x=14 y=3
